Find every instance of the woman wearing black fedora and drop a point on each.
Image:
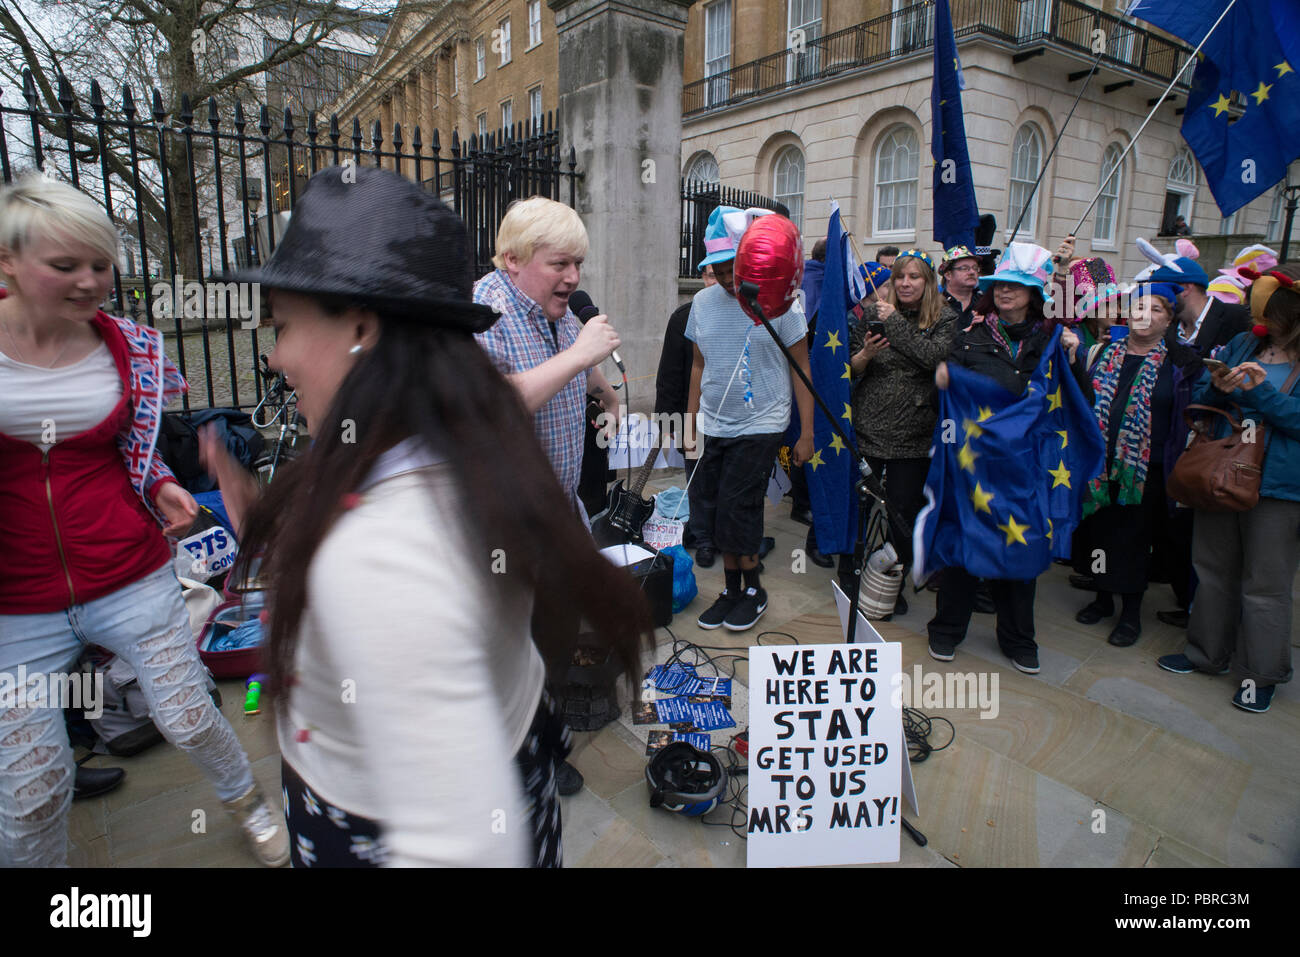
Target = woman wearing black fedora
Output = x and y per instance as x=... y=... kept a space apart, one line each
x=413 y=724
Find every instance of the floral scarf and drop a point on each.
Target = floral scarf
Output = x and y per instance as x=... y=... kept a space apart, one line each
x=1128 y=466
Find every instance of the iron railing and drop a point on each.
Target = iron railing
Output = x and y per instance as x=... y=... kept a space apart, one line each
x=1025 y=24
x=699 y=199
x=190 y=204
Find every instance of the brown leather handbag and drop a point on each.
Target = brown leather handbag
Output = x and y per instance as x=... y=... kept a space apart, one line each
x=1221 y=475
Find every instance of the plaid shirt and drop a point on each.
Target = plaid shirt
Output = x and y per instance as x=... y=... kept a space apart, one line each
x=521 y=340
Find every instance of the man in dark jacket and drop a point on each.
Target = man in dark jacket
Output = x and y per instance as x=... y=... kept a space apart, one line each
x=673 y=382
x=1203 y=321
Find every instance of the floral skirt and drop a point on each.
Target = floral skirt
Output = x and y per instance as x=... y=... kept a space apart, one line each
x=321 y=835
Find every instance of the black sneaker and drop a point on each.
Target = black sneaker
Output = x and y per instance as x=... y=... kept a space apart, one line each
x=747 y=610
x=1182 y=665
x=1026 y=661
x=717 y=612
x=941 y=649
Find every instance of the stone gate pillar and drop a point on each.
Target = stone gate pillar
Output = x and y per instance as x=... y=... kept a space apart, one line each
x=620 y=99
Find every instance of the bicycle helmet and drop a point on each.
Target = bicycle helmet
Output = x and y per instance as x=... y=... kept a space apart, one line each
x=682 y=778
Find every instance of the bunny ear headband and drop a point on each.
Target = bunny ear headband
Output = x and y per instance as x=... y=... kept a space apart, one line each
x=1261 y=291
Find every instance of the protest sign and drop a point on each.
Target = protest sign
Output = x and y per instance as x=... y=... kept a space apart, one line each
x=825 y=755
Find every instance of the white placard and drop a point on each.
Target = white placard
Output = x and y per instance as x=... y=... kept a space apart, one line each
x=626 y=554
x=637 y=435
x=825 y=754
x=867 y=633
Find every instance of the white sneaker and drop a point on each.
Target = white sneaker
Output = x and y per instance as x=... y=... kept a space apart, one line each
x=263 y=828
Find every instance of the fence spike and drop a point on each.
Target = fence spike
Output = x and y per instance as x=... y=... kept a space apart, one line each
x=159 y=114
x=128 y=102
x=334 y=129
x=213 y=119
x=288 y=123
x=311 y=126
x=356 y=133
x=416 y=144
x=96 y=99
x=187 y=114
x=455 y=142
x=397 y=136
x=65 y=97
x=29 y=89
x=437 y=143
x=240 y=122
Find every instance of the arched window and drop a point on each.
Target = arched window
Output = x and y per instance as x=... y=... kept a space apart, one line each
x=787 y=182
x=1026 y=164
x=1180 y=188
x=898 y=162
x=703 y=169
x=1107 y=222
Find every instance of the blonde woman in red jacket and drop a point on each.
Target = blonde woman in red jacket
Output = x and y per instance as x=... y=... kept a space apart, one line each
x=84 y=504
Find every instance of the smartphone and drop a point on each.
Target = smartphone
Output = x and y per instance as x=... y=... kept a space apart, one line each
x=1215 y=365
x=875 y=328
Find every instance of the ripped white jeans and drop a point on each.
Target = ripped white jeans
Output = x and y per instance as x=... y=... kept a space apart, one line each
x=147 y=625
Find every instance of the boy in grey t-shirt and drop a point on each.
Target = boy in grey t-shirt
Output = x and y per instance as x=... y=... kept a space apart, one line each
x=741 y=389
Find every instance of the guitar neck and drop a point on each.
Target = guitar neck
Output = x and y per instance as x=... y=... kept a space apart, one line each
x=643 y=473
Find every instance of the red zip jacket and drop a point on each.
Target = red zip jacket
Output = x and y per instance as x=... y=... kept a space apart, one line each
x=72 y=526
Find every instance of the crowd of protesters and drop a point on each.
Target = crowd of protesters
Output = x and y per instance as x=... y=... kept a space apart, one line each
x=1137 y=351
x=447 y=415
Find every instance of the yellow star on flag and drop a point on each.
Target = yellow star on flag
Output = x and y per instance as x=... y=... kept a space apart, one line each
x=1261 y=94
x=816 y=459
x=848 y=412
x=1065 y=437
x=981 y=499
x=984 y=413
x=848 y=371
x=971 y=429
x=1221 y=105
x=833 y=341
x=1054 y=399
x=1049 y=529
x=837 y=443
x=1049 y=368
x=1060 y=474
x=966 y=458
x=1283 y=69
x=1015 y=531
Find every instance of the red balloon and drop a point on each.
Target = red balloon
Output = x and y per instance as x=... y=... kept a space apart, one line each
x=770 y=255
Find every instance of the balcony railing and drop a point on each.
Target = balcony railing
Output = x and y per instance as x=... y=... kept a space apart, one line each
x=1069 y=24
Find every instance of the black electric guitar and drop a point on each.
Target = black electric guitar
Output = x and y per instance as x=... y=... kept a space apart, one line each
x=620 y=523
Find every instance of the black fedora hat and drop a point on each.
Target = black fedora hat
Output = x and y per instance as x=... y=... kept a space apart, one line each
x=373 y=236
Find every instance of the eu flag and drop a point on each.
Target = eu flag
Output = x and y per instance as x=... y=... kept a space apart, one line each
x=1249 y=52
x=830 y=472
x=1007 y=473
x=956 y=213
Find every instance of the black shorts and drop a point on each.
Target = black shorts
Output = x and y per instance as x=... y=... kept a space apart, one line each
x=732 y=476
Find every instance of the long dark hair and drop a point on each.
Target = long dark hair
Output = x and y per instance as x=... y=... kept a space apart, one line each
x=439 y=385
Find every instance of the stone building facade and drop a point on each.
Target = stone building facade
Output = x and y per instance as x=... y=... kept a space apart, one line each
x=475 y=66
x=847 y=117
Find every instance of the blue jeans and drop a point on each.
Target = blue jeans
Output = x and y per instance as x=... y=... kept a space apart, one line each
x=147 y=626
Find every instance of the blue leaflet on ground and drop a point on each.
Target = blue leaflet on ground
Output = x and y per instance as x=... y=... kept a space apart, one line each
x=676 y=678
x=674 y=710
x=660 y=739
x=711 y=687
x=247 y=635
x=695 y=739
x=710 y=716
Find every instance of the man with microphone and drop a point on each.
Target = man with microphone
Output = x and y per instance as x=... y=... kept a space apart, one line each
x=551 y=359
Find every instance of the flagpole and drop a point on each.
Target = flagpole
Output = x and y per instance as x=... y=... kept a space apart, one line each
x=1133 y=142
x=1052 y=152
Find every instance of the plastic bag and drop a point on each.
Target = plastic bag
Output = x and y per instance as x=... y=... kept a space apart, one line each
x=684 y=587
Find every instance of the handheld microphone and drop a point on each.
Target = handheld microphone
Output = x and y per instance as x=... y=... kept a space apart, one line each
x=585 y=309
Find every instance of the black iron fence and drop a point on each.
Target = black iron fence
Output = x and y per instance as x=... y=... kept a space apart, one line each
x=699 y=199
x=197 y=196
x=1027 y=24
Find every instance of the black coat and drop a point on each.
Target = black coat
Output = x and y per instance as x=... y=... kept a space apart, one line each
x=977 y=350
x=673 y=382
x=1222 y=322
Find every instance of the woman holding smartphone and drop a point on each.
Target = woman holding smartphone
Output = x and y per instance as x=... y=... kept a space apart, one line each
x=893 y=352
